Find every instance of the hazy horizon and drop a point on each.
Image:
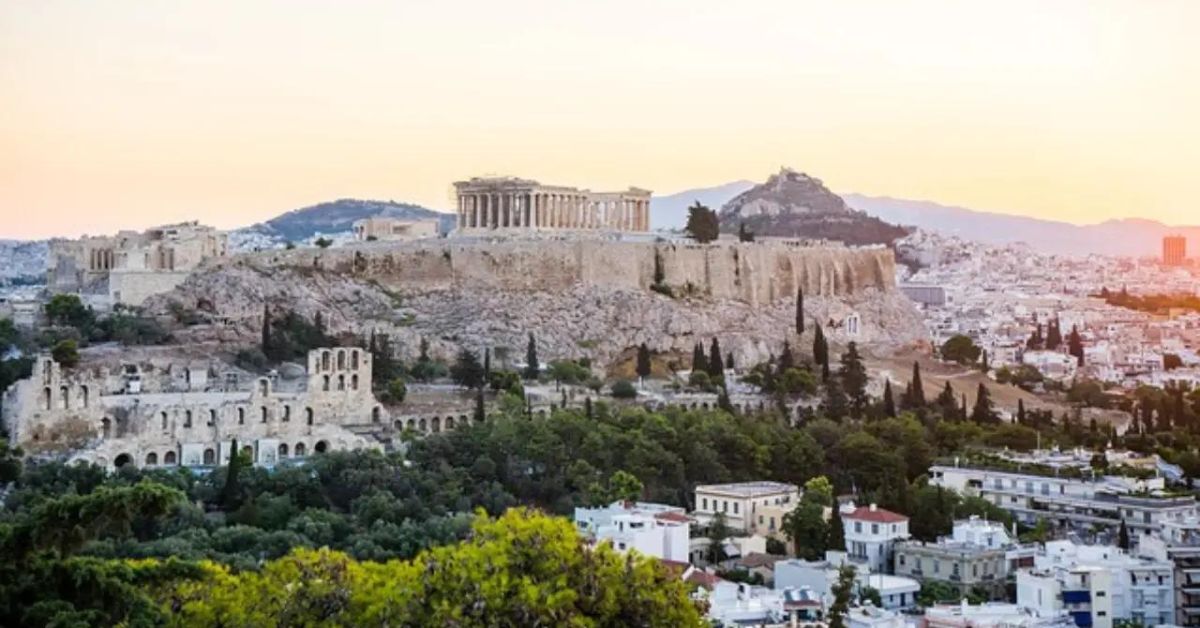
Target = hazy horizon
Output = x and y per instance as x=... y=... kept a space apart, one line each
x=134 y=114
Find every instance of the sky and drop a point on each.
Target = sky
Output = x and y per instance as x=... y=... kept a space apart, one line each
x=127 y=114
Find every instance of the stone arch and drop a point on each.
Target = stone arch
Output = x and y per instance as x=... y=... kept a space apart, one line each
x=264 y=387
x=151 y=459
x=287 y=413
x=210 y=456
x=212 y=417
x=325 y=383
x=47 y=398
x=462 y=419
x=283 y=451
x=299 y=451
x=354 y=360
x=412 y=424
x=421 y=424
x=248 y=451
x=105 y=428
x=187 y=418
x=122 y=460
x=265 y=415
x=449 y=422
x=169 y=458
x=341 y=382
x=376 y=414
x=64 y=394
x=241 y=416
x=83 y=396
x=354 y=382
x=341 y=359
x=325 y=361
x=163 y=418
x=435 y=424
x=321 y=447
x=308 y=416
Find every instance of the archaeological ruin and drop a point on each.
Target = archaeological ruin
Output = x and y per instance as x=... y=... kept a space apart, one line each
x=525 y=204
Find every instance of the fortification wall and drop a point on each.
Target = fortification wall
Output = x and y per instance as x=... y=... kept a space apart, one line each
x=752 y=272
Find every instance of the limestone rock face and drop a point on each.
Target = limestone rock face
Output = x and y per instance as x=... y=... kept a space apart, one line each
x=579 y=300
x=794 y=204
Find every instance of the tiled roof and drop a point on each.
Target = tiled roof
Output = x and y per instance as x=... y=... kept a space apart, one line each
x=875 y=515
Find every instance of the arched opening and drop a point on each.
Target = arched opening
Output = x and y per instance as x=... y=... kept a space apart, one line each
x=241 y=416
x=264 y=414
x=449 y=422
x=308 y=415
x=341 y=360
x=162 y=416
x=354 y=382
x=325 y=383
x=421 y=425
x=287 y=413
x=412 y=424
x=47 y=398
x=105 y=427
x=210 y=456
x=187 y=418
x=122 y=460
x=325 y=361
x=341 y=382
x=435 y=424
x=248 y=451
x=300 y=451
x=83 y=396
x=354 y=360
x=321 y=447
x=376 y=414
x=65 y=397
x=212 y=417
x=169 y=458
x=151 y=459
x=283 y=451
x=264 y=387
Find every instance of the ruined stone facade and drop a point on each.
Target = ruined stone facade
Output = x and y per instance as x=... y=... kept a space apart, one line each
x=512 y=203
x=384 y=229
x=189 y=415
x=126 y=268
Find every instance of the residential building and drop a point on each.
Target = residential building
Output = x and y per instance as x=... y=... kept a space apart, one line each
x=896 y=592
x=1179 y=542
x=871 y=534
x=992 y=615
x=654 y=530
x=1097 y=584
x=1174 y=250
x=1068 y=500
x=744 y=502
x=973 y=557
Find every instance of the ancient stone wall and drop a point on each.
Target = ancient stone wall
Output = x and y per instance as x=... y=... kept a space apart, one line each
x=754 y=272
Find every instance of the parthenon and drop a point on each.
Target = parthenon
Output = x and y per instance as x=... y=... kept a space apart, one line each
x=512 y=203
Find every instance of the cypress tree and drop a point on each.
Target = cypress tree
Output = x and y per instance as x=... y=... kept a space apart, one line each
x=643 y=361
x=587 y=408
x=983 y=412
x=963 y=414
x=716 y=363
x=231 y=492
x=729 y=361
x=1123 y=536
x=983 y=361
x=799 y=312
x=487 y=364
x=532 y=367
x=889 y=405
x=786 y=359
x=821 y=351
x=266 y=332
x=918 y=387
x=724 y=403
x=699 y=361
x=837 y=531
x=1020 y=412
x=480 y=413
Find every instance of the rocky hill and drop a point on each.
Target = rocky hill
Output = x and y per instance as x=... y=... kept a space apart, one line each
x=338 y=216
x=793 y=204
x=23 y=262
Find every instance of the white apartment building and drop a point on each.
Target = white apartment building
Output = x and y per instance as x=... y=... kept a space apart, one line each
x=992 y=615
x=1069 y=501
x=1179 y=542
x=748 y=507
x=1097 y=584
x=895 y=592
x=650 y=529
x=871 y=534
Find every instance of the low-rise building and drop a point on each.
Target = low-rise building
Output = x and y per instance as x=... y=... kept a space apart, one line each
x=654 y=530
x=748 y=507
x=992 y=615
x=973 y=557
x=386 y=229
x=895 y=592
x=871 y=534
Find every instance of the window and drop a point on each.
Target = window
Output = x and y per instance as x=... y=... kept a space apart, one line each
x=858 y=527
x=735 y=508
x=187 y=418
x=241 y=416
x=704 y=501
x=264 y=414
x=163 y=418
x=874 y=528
x=212 y=417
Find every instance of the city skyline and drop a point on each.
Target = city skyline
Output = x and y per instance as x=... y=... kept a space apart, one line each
x=133 y=115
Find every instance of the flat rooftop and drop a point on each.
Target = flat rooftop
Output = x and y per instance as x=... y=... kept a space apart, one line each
x=748 y=489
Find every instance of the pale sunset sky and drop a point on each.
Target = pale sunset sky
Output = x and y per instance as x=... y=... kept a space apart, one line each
x=126 y=114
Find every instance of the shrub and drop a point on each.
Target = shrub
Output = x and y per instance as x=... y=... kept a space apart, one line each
x=624 y=390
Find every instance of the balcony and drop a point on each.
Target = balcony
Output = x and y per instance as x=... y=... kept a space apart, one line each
x=1076 y=597
x=1083 y=619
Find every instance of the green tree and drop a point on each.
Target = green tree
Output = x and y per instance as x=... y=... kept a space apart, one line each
x=716 y=363
x=836 y=541
x=532 y=366
x=66 y=353
x=480 y=413
x=799 y=311
x=916 y=389
x=889 y=404
x=819 y=490
x=232 y=493
x=623 y=389
x=702 y=223
x=323 y=243
x=960 y=349
x=841 y=591
x=699 y=359
x=397 y=391
x=624 y=486
x=643 y=361
x=1123 y=536
x=467 y=371
x=805 y=527
x=821 y=352
x=718 y=534
x=983 y=411
x=744 y=234
x=69 y=311
x=853 y=376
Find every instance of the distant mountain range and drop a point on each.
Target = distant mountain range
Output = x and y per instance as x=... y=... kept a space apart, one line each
x=338 y=217
x=1129 y=237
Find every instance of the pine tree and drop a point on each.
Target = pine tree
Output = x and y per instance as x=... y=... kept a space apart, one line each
x=799 y=312
x=983 y=412
x=716 y=363
x=467 y=371
x=889 y=405
x=319 y=325
x=643 y=361
x=699 y=360
x=963 y=414
x=918 y=387
x=532 y=367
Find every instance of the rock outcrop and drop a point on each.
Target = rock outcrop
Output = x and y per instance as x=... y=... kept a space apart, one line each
x=795 y=205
